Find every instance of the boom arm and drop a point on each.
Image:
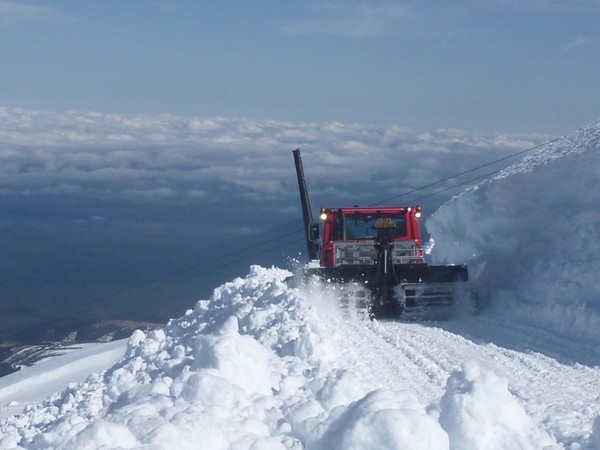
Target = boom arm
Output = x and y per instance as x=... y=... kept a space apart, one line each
x=312 y=244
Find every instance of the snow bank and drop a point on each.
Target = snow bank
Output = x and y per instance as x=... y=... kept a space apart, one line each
x=53 y=374
x=253 y=368
x=530 y=236
x=382 y=420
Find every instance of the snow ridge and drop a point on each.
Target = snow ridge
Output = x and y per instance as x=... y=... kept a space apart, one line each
x=257 y=367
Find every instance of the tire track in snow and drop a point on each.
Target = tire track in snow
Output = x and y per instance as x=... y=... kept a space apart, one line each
x=558 y=396
x=419 y=357
x=525 y=336
x=379 y=362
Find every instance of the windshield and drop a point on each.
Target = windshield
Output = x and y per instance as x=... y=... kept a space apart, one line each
x=362 y=226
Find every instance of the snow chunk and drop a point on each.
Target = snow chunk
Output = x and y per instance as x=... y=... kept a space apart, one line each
x=210 y=390
x=239 y=359
x=383 y=420
x=479 y=413
x=341 y=388
x=102 y=434
x=199 y=432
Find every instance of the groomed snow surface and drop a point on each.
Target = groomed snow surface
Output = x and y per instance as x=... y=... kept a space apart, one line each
x=267 y=364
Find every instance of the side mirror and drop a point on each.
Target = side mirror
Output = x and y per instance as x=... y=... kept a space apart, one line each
x=313 y=232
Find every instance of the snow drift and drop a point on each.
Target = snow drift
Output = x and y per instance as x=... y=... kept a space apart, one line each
x=530 y=235
x=255 y=368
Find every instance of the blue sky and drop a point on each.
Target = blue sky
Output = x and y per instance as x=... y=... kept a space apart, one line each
x=480 y=65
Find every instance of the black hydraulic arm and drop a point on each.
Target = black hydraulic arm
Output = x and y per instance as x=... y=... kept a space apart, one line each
x=311 y=244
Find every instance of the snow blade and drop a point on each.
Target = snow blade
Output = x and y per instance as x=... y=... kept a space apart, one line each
x=406 y=273
x=413 y=291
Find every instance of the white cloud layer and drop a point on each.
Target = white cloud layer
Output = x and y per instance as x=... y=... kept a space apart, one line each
x=168 y=157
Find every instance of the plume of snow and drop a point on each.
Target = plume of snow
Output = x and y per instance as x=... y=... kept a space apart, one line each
x=530 y=235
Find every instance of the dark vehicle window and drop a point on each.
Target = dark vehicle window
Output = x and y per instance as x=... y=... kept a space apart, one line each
x=362 y=226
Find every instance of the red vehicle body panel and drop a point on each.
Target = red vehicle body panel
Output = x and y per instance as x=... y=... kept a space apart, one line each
x=334 y=229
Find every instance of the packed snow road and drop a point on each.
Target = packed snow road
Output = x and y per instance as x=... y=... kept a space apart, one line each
x=559 y=393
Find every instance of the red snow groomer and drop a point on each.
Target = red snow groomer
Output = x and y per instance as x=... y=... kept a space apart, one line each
x=379 y=247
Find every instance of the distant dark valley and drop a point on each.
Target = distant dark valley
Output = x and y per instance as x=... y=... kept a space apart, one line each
x=15 y=354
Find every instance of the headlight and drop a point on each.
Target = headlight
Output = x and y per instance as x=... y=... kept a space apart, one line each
x=323 y=216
